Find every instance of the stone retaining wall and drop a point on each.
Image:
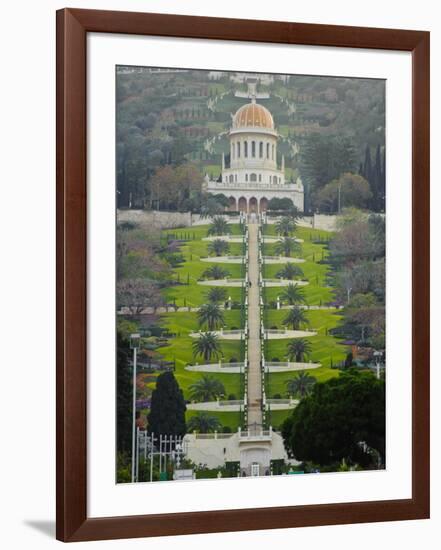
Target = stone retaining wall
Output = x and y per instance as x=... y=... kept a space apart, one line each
x=325 y=222
x=153 y=218
x=163 y=220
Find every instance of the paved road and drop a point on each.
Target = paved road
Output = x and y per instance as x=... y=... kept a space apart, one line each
x=254 y=373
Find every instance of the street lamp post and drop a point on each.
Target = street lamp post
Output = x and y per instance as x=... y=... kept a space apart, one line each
x=339 y=197
x=134 y=345
x=377 y=355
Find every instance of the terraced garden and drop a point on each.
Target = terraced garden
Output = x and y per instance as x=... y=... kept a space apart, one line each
x=189 y=293
x=325 y=348
x=313 y=252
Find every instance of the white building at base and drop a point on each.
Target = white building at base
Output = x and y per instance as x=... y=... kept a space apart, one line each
x=253 y=450
x=250 y=175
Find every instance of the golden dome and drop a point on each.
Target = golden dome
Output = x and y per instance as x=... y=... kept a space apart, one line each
x=253 y=115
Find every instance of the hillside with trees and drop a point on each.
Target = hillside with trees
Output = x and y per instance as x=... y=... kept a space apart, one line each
x=171 y=129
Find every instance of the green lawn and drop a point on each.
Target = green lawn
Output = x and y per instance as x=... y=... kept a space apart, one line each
x=212 y=169
x=193 y=294
x=179 y=350
x=315 y=273
x=325 y=348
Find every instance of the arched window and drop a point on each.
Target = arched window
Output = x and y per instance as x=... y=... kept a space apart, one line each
x=261 y=149
x=272 y=152
x=245 y=149
x=253 y=148
x=253 y=177
x=238 y=149
x=231 y=178
x=246 y=177
x=267 y=150
x=260 y=177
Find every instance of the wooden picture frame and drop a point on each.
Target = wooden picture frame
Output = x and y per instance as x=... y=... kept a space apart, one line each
x=73 y=524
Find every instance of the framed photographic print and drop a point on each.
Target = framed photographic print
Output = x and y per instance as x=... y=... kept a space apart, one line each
x=242 y=274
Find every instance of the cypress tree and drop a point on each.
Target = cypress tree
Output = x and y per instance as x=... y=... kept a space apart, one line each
x=124 y=395
x=377 y=176
x=383 y=182
x=167 y=413
x=323 y=159
x=367 y=166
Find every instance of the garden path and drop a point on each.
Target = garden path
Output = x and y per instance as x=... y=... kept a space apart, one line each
x=254 y=389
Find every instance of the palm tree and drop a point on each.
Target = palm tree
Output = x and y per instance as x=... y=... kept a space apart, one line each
x=206 y=388
x=285 y=226
x=218 y=247
x=203 y=423
x=293 y=294
x=207 y=345
x=298 y=348
x=286 y=246
x=210 y=315
x=295 y=318
x=290 y=271
x=217 y=294
x=215 y=272
x=301 y=385
x=219 y=226
x=212 y=206
x=293 y=213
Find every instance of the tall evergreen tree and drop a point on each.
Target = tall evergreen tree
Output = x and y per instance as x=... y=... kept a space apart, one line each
x=343 y=156
x=374 y=173
x=367 y=165
x=383 y=182
x=322 y=159
x=377 y=179
x=167 y=413
x=124 y=393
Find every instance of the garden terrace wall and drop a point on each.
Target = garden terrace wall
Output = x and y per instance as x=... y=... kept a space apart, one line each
x=154 y=218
